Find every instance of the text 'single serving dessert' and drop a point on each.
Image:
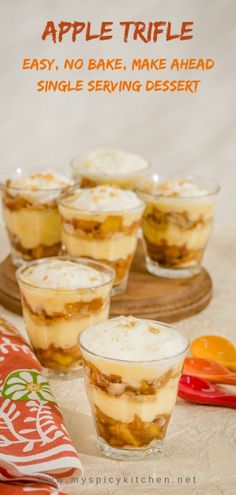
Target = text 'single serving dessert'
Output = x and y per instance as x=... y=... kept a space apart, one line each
x=60 y=297
x=177 y=223
x=132 y=369
x=109 y=166
x=102 y=223
x=31 y=214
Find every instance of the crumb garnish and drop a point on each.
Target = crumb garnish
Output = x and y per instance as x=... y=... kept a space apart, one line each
x=129 y=324
x=154 y=330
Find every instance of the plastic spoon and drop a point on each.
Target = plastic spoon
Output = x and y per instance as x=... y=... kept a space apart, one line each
x=209 y=370
x=194 y=389
x=216 y=348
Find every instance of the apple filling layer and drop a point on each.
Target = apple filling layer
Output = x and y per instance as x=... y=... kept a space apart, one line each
x=163 y=219
x=121 y=268
x=135 y=434
x=92 y=229
x=171 y=255
x=58 y=358
x=18 y=202
x=71 y=310
x=40 y=251
x=113 y=385
x=86 y=182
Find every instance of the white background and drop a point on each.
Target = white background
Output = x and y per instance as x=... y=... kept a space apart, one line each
x=177 y=132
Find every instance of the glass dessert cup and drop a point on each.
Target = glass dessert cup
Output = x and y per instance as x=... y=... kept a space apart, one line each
x=109 y=237
x=131 y=401
x=108 y=166
x=55 y=314
x=176 y=227
x=31 y=215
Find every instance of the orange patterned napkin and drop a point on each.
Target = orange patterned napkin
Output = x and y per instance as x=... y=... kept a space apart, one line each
x=34 y=444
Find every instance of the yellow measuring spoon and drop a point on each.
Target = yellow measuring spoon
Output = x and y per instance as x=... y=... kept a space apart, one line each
x=217 y=348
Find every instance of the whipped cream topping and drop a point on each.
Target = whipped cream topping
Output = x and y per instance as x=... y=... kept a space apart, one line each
x=110 y=162
x=133 y=339
x=184 y=188
x=45 y=180
x=103 y=198
x=39 y=187
x=63 y=274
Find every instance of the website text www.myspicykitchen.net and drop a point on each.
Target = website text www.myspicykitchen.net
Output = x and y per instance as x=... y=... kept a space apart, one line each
x=145 y=479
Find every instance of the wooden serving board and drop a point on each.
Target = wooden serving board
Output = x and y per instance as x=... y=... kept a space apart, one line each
x=147 y=296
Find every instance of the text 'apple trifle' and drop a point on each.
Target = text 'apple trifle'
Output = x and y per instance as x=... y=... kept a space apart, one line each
x=132 y=368
x=177 y=223
x=60 y=297
x=31 y=214
x=109 y=166
x=102 y=223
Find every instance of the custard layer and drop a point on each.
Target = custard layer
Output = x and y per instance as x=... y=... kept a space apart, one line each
x=33 y=228
x=61 y=333
x=113 y=249
x=125 y=407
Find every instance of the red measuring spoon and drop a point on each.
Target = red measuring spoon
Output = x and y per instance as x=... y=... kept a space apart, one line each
x=195 y=389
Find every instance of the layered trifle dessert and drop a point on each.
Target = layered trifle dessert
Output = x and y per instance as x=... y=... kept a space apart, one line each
x=132 y=368
x=31 y=214
x=102 y=223
x=177 y=223
x=60 y=297
x=109 y=166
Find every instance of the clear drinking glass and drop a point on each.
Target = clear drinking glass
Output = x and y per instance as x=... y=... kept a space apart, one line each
x=107 y=236
x=176 y=224
x=131 y=401
x=31 y=215
x=109 y=166
x=55 y=314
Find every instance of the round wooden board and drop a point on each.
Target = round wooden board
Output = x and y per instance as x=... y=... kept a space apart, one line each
x=147 y=296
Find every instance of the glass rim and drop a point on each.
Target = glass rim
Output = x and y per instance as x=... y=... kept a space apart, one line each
x=139 y=189
x=79 y=260
x=97 y=174
x=4 y=186
x=144 y=361
x=66 y=196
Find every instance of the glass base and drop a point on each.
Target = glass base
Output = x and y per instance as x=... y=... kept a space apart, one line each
x=120 y=288
x=155 y=269
x=17 y=259
x=63 y=375
x=129 y=454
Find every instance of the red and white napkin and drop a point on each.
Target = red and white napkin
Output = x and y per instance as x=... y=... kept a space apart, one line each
x=34 y=443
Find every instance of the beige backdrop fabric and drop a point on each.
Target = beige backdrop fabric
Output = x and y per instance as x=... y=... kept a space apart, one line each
x=177 y=132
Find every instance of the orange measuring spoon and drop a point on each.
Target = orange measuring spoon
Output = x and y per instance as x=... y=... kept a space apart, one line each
x=216 y=348
x=209 y=370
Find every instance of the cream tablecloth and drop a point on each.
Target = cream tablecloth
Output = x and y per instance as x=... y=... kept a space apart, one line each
x=200 y=453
